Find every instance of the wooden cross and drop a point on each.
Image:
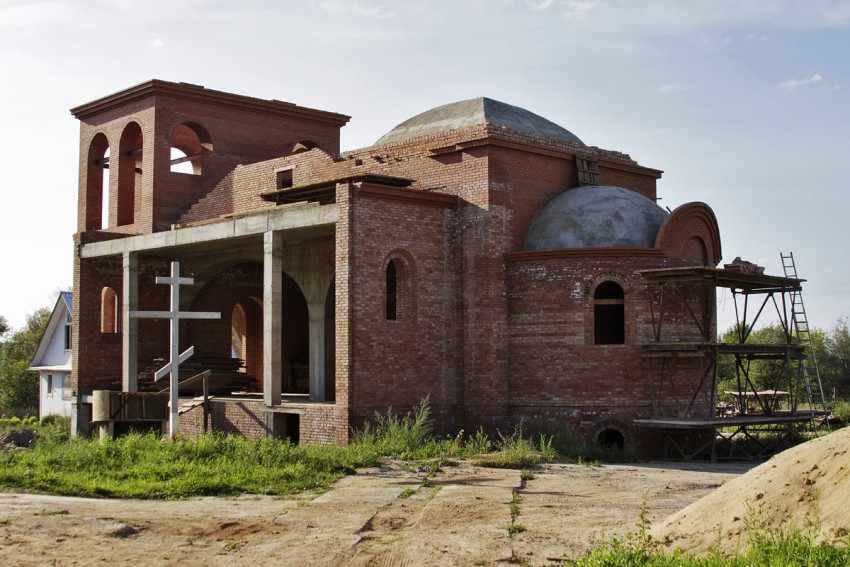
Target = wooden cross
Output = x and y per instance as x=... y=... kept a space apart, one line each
x=176 y=357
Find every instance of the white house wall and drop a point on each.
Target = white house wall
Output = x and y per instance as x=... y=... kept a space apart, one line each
x=57 y=400
x=55 y=354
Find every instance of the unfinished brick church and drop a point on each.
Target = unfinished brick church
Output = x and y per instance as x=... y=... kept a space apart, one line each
x=477 y=254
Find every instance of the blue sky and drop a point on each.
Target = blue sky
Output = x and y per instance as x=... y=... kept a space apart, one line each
x=743 y=104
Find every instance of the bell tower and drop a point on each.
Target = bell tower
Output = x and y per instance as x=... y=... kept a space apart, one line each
x=150 y=152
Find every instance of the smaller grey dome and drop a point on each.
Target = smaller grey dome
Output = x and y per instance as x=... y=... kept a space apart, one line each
x=595 y=217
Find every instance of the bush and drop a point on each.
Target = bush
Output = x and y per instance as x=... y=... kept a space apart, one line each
x=404 y=437
x=841 y=410
x=516 y=451
x=55 y=427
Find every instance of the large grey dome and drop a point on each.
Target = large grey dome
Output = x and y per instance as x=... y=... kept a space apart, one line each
x=477 y=111
x=594 y=217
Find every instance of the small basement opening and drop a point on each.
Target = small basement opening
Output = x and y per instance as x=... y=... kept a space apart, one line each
x=610 y=438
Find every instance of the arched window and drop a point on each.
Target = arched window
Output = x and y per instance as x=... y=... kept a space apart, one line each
x=609 y=320
x=189 y=141
x=238 y=332
x=392 y=291
x=400 y=286
x=97 y=184
x=108 y=311
x=129 y=173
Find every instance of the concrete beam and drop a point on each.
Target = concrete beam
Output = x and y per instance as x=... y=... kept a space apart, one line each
x=257 y=223
x=272 y=323
x=317 y=352
x=130 y=325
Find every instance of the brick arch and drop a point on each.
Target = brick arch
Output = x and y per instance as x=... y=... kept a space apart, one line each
x=130 y=159
x=97 y=163
x=108 y=310
x=611 y=425
x=194 y=141
x=401 y=300
x=592 y=313
x=691 y=233
x=241 y=283
x=597 y=279
x=304 y=146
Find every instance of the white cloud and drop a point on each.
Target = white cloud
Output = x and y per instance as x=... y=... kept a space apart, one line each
x=539 y=5
x=671 y=88
x=355 y=8
x=579 y=8
x=792 y=84
x=157 y=43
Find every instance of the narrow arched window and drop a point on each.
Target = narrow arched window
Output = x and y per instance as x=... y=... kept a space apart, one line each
x=130 y=161
x=108 y=311
x=97 y=185
x=609 y=320
x=392 y=291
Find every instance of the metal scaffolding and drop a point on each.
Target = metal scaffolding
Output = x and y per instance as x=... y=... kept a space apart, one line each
x=682 y=373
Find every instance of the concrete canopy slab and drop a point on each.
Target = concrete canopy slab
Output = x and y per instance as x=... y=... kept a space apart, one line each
x=305 y=220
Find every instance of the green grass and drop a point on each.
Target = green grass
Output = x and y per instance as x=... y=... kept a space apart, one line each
x=146 y=466
x=795 y=550
x=767 y=547
x=517 y=451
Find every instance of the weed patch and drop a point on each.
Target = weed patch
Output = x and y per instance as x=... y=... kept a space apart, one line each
x=146 y=466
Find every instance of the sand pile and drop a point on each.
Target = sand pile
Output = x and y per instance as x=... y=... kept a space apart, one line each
x=806 y=488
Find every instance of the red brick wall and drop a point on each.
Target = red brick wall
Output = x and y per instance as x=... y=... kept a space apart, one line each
x=318 y=423
x=399 y=362
x=488 y=340
x=96 y=356
x=238 y=135
x=558 y=375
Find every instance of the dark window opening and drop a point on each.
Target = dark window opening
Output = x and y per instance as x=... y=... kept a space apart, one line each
x=611 y=438
x=609 y=318
x=67 y=337
x=588 y=171
x=293 y=427
x=284 y=178
x=392 y=291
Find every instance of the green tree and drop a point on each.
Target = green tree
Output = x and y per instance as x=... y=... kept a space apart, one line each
x=18 y=384
x=835 y=364
x=4 y=326
x=832 y=350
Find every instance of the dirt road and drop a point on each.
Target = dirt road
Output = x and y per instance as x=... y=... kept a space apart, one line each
x=387 y=516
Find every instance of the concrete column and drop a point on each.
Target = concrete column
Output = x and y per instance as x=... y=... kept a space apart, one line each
x=317 y=352
x=272 y=296
x=130 y=325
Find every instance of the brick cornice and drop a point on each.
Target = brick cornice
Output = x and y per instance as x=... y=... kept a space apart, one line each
x=405 y=195
x=197 y=93
x=557 y=253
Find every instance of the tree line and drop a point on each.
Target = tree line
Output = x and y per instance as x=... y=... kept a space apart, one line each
x=831 y=352
x=18 y=384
